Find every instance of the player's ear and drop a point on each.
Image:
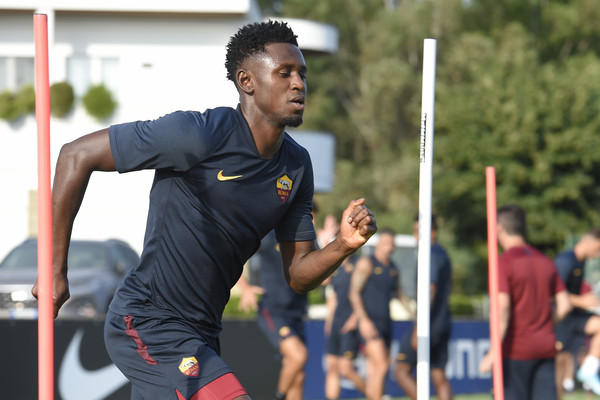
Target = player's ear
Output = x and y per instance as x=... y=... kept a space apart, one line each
x=244 y=81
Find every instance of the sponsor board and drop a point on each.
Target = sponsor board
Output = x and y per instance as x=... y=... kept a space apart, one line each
x=84 y=370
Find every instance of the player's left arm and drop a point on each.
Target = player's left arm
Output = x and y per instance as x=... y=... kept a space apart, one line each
x=485 y=366
x=305 y=266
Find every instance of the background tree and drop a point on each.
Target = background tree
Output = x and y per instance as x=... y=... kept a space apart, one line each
x=517 y=87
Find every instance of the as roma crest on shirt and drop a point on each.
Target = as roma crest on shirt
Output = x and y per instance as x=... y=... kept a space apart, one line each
x=285 y=331
x=284 y=188
x=189 y=366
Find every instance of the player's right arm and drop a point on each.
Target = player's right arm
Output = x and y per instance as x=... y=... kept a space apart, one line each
x=76 y=162
x=248 y=295
x=331 y=303
x=359 y=278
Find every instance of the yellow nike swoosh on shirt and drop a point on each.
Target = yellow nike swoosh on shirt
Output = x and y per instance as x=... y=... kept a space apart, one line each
x=222 y=177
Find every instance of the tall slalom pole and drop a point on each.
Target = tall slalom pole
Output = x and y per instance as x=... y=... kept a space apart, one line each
x=424 y=245
x=42 y=115
x=490 y=184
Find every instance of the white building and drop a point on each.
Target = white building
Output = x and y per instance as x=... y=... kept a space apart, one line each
x=155 y=57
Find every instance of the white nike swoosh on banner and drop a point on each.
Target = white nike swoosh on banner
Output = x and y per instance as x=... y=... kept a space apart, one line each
x=76 y=382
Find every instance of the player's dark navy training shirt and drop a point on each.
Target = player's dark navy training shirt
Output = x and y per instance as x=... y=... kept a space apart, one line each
x=212 y=200
x=340 y=281
x=570 y=270
x=441 y=276
x=379 y=289
x=278 y=297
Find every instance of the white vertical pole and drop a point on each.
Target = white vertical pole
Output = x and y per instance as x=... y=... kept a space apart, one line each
x=424 y=244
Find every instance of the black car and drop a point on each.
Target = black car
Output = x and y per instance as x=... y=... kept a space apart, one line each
x=95 y=270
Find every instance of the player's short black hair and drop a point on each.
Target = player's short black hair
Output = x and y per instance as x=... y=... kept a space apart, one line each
x=512 y=218
x=386 y=231
x=252 y=39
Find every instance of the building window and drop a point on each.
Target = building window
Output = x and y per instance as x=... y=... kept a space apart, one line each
x=83 y=72
x=79 y=74
x=109 y=70
x=3 y=74
x=16 y=72
x=25 y=71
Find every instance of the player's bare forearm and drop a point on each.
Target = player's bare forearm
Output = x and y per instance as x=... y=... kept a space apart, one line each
x=357 y=284
x=306 y=267
x=405 y=301
x=76 y=162
x=309 y=266
x=584 y=301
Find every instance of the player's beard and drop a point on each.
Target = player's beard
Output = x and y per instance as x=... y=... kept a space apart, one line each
x=293 y=121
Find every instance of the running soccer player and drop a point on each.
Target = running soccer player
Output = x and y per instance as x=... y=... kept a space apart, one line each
x=223 y=179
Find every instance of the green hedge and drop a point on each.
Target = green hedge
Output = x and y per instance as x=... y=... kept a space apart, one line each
x=8 y=108
x=62 y=98
x=15 y=105
x=99 y=102
x=461 y=305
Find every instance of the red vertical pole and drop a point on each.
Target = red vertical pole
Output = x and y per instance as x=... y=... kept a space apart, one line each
x=490 y=175
x=44 y=202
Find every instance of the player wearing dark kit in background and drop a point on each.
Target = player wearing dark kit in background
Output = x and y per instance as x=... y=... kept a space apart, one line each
x=223 y=179
x=342 y=345
x=440 y=325
x=281 y=313
x=374 y=283
x=528 y=284
x=580 y=322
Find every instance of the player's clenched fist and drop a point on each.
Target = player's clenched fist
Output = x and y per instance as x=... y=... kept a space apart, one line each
x=358 y=224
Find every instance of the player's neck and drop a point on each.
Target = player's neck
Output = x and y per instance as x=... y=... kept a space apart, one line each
x=383 y=259
x=267 y=136
x=509 y=241
x=579 y=251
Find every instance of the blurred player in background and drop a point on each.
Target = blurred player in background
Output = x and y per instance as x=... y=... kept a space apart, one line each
x=373 y=284
x=571 y=355
x=528 y=285
x=580 y=321
x=440 y=325
x=342 y=345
